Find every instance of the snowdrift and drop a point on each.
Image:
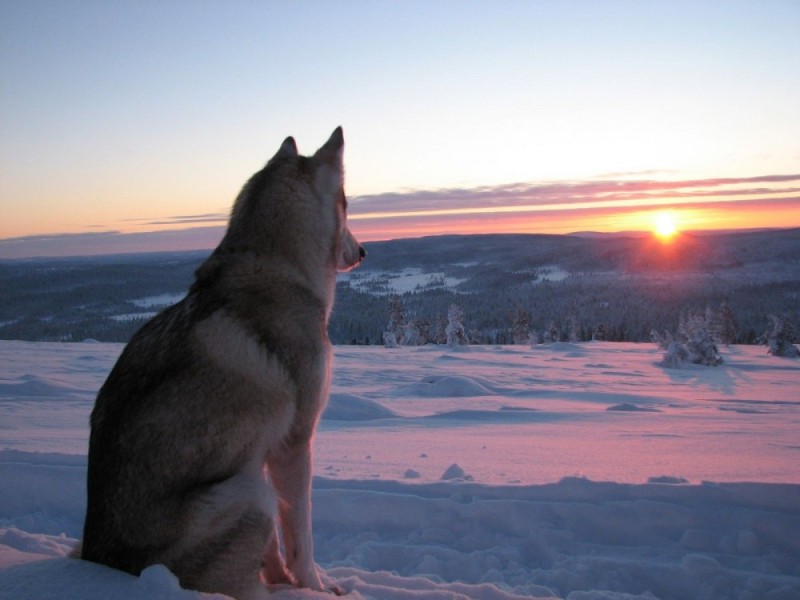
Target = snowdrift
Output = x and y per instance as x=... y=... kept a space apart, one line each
x=596 y=483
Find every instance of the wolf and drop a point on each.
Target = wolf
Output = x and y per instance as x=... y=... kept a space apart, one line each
x=200 y=452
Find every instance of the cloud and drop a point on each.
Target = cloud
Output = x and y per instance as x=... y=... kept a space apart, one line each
x=111 y=242
x=185 y=219
x=581 y=195
x=548 y=207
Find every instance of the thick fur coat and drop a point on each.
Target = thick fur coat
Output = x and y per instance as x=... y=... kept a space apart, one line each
x=200 y=447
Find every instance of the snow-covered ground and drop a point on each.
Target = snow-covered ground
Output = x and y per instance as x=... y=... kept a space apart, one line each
x=409 y=279
x=581 y=471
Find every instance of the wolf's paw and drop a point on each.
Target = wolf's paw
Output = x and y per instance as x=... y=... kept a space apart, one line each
x=320 y=582
x=275 y=573
x=330 y=586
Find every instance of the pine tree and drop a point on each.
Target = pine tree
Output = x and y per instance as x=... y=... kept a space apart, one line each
x=727 y=325
x=397 y=319
x=780 y=337
x=411 y=334
x=440 y=333
x=423 y=327
x=663 y=341
x=456 y=334
x=694 y=342
x=389 y=339
x=551 y=334
x=573 y=330
x=676 y=355
x=520 y=326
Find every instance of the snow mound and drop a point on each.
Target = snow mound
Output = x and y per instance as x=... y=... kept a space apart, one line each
x=384 y=585
x=387 y=527
x=455 y=473
x=447 y=386
x=33 y=386
x=505 y=414
x=569 y=348
x=453 y=540
x=350 y=407
x=23 y=541
x=70 y=579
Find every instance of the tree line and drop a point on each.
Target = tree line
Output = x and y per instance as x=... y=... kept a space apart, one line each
x=560 y=311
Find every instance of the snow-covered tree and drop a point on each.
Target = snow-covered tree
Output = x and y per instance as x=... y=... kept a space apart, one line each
x=573 y=329
x=412 y=335
x=440 y=330
x=456 y=334
x=724 y=328
x=703 y=351
x=389 y=339
x=551 y=334
x=600 y=333
x=780 y=337
x=397 y=319
x=520 y=326
x=663 y=341
x=693 y=344
x=676 y=355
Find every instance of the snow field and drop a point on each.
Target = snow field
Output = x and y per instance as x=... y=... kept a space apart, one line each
x=583 y=471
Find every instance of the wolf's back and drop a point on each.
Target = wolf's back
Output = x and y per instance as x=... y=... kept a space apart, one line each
x=132 y=498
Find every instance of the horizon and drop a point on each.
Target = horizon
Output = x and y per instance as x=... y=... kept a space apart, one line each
x=81 y=246
x=131 y=127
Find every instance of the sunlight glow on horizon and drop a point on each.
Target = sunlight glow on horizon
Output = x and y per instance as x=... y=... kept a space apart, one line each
x=665 y=225
x=122 y=118
x=602 y=206
x=535 y=208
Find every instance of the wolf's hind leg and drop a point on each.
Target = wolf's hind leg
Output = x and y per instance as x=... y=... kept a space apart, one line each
x=227 y=530
x=275 y=571
x=230 y=562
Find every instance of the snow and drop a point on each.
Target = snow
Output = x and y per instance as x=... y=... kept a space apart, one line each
x=410 y=279
x=551 y=273
x=158 y=301
x=134 y=316
x=576 y=471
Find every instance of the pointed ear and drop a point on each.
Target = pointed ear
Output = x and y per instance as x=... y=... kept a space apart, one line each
x=330 y=172
x=332 y=151
x=288 y=149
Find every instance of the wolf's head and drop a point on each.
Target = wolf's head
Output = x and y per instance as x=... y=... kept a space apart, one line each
x=330 y=180
x=295 y=209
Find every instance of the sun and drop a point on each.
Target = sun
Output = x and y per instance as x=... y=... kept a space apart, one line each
x=665 y=225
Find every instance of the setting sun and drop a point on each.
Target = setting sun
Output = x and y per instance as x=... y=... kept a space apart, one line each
x=665 y=225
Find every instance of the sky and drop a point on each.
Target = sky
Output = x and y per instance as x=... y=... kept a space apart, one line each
x=132 y=125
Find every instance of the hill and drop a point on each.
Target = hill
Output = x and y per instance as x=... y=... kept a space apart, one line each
x=625 y=284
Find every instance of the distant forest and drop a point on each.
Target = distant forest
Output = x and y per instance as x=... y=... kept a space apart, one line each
x=619 y=287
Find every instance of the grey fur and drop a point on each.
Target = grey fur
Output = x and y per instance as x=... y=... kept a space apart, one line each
x=204 y=425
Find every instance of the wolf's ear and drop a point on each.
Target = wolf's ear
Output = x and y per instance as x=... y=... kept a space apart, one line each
x=329 y=176
x=332 y=151
x=288 y=149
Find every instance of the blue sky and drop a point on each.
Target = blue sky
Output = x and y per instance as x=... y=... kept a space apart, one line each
x=123 y=117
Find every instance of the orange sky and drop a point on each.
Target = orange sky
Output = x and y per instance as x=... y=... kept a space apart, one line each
x=699 y=218
x=602 y=205
x=135 y=125
x=565 y=207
